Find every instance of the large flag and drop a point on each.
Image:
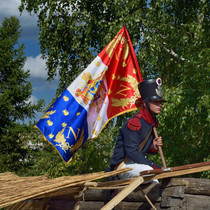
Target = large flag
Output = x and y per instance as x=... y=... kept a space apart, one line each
x=107 y=88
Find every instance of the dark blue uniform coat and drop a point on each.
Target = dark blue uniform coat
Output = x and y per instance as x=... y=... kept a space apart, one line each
x=131 y=135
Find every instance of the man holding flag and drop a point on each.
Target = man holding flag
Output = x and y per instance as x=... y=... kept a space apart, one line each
x=107 y=88
x=136 y=138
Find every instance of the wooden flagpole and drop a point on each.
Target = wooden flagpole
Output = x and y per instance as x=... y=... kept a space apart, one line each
x=160 y=149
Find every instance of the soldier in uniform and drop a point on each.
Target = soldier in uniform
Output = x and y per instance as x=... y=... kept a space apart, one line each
x=136 y=137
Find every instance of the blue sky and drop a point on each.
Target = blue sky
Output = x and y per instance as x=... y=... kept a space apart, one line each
x=29 y=36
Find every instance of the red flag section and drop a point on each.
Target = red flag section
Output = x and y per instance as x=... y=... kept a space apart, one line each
x=123 y=74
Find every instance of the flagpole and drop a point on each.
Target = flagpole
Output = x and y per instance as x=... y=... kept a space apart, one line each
x=160 y=149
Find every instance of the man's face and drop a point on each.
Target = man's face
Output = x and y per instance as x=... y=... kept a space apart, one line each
x=155 y=106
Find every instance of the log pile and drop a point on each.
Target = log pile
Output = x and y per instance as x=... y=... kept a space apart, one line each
x=188 y=193
x=174 y=193
x=80 y=192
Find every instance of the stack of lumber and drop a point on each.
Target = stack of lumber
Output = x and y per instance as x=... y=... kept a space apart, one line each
x=80 y=192
x=173 y=193
x=186 y=193
x=96 y=199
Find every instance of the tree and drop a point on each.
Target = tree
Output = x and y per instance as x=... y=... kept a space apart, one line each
x=15 y=91
x=171 y=41
x=177 y=48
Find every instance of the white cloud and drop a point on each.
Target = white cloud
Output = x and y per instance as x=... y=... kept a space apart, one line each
x=9 y=8
x=32 y=99
x=36 y=66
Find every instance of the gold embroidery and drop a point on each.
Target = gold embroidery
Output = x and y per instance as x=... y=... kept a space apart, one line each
x=98 y=118
x=46 y=115
x=125 y=89
x=125 y=49
x=91 y=87
x=124 y=64
x=60 y=139
x=97 y=63
x=65 y=112
x=133 y=99
x=117 y=56
x=112 y=45
x=80 y=141
x=132 y=81
x=49 y=122
x=64 y=124
x=94 y=132
x=51 y=136
x=123 y=102
x=65 y=98
x=71 y=130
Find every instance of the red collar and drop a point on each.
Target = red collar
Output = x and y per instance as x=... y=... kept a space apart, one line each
x=147 y=116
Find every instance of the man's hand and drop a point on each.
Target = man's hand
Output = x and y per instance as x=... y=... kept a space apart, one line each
x=157 y=142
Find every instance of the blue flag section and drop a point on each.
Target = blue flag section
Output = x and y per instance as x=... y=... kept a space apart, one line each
x=64 y=125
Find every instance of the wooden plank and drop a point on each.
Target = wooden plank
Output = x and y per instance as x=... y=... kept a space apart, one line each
x=120 y=196
x=115 y=183
x=177 y=173
x=118 y=183
x=177 y=168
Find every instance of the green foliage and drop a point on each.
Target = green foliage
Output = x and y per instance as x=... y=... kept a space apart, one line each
x=72 y=31
x=171 y=40
x=15 y=91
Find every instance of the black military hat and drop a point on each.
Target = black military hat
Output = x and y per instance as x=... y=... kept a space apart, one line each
x=151 y=90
